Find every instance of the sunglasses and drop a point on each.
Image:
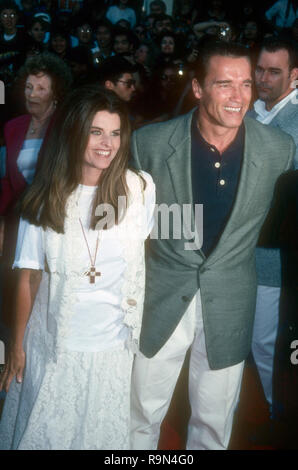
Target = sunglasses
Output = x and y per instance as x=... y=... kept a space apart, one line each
x=6 y=15
x=129 y=83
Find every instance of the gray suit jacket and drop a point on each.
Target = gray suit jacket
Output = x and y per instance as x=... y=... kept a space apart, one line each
x=286 y=120
x=227 y=278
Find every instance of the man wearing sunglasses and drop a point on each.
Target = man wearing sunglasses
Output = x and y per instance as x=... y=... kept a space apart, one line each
x=116 y=74
x=11 y=38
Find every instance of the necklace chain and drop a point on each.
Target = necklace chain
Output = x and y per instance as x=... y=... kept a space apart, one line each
x=92 y=272
x=42 y=124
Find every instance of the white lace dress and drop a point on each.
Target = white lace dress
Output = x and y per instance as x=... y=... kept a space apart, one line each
x=80 y=338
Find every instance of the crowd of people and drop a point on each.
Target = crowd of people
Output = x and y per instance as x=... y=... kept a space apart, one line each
x=79 y=76
x=160 y=39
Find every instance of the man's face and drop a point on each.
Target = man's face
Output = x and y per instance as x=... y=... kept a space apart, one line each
x=225 y=94
x=103 y=36
x=121 y=44
x=251 y=30
x=84 y=33
x=273 y=76
x=124 y=87
x=167 y=25
x=9 y=20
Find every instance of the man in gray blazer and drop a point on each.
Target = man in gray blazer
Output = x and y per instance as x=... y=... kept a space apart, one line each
x=203 y=297
x=276 y=74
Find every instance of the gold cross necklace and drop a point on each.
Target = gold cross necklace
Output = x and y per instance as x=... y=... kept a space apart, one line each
x=92 y=273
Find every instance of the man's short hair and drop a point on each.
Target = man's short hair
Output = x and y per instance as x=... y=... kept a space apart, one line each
x=8 y=5
x=274 y=44
x=114 y=68
x=221 y=48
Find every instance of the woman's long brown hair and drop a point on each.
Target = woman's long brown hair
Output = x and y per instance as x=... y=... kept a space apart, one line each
x=60 y=172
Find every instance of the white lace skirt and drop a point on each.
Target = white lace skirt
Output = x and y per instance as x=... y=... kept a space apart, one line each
x=80 y=402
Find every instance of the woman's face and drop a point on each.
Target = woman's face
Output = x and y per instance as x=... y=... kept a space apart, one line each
x=39 y=94
x=37 y=32
x=168 y=78
x=167 y=45
x=84 y=33
x=103 y=145
x=141 y=54
x=59 y=44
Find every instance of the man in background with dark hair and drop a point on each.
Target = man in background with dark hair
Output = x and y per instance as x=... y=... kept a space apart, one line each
x=202 y=295
x=116 y=74
x=11 y=39
x=275 y=75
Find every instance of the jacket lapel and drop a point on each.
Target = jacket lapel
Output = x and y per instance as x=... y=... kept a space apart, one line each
x=179 y=160
x=180 y=170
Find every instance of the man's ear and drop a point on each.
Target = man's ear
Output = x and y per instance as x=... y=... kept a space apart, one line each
x=196 y=88
x=294 y=75
x=109 y=85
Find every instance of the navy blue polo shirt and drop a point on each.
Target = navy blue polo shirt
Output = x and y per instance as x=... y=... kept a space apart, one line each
x=215 y=179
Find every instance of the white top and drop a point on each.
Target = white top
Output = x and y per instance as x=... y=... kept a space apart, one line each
x=97 y=323
x=278 y=11
x=115 y=14
x=264 y=116
x=27 y=158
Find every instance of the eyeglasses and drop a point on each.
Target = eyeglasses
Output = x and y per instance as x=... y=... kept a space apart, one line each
x=129 y=83
x=6 y=15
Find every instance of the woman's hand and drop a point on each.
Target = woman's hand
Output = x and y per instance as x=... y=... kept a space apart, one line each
x=14 y=367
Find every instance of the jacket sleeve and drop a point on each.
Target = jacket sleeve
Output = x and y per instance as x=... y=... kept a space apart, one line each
x=135 y=161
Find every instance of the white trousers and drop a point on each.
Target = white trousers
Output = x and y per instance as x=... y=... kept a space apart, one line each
x=264 y=335
x=213 y=394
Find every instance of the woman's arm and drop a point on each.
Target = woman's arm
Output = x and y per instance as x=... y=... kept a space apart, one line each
x=202 y=26
x=27 y=286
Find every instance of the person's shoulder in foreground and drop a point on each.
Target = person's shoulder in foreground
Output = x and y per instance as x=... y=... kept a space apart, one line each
x=268 y=131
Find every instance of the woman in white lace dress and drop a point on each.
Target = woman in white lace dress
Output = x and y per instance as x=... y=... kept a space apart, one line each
x=80 y=258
